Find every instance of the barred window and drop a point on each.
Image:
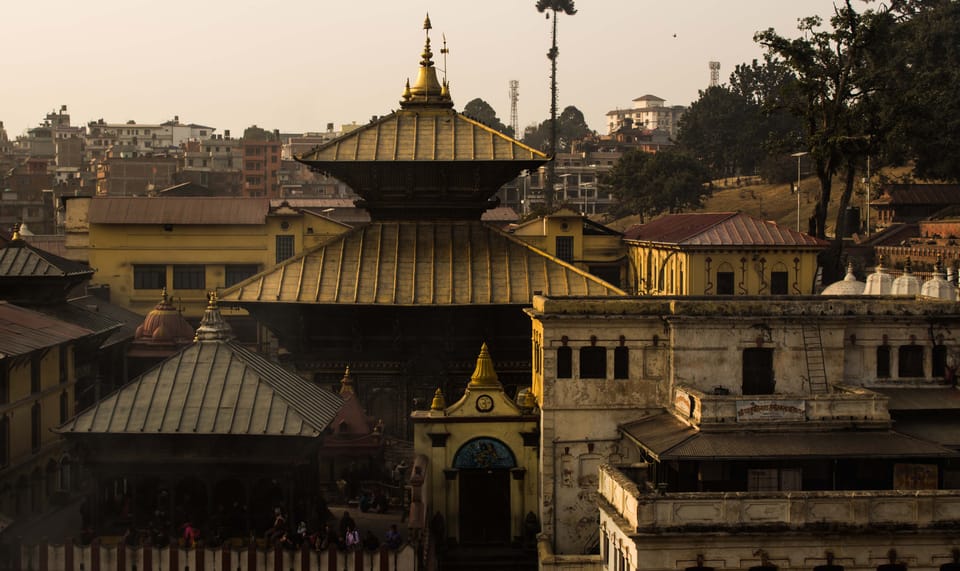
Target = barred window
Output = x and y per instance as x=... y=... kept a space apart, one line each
x=236 y=273
x=189 y=277
x=565 y=248
x=149 y=277
x=284 y=248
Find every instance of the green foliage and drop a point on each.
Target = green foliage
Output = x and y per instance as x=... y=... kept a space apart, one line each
x=483 y=112
x=649 y=184
x=571 y=126
x=919 y=102
x=722 y=129
x=565 y=6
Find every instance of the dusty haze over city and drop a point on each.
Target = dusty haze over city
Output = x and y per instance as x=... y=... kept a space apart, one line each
x=298 y=65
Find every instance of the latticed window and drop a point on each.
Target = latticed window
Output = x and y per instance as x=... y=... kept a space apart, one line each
x=149 y=277
x=189 y=277
x=284 y=248
x=565 y=248
x=236 y=273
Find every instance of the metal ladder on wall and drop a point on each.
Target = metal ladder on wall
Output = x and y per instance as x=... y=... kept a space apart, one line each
x=813 y=349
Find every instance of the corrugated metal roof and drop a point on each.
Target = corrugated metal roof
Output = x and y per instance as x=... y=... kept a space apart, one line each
x=178 y=210
x=658 y=433
x=838 y=444
x=945 y=194
x=23 y=330
x=419 y=263
x=212 y=387
x=719 y=229
x=423 y=134
x=19 y=259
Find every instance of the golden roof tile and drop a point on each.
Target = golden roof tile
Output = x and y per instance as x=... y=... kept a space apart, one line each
x=419 y=264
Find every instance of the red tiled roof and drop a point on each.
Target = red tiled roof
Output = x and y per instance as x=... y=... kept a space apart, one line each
x=719 y=229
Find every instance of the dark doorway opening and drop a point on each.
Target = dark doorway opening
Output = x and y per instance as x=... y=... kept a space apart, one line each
x=758 y=372
x=484 y=506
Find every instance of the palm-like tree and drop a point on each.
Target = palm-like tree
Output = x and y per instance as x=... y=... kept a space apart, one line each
x=556 y=6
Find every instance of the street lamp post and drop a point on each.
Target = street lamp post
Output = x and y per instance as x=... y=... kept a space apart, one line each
x=798 y=155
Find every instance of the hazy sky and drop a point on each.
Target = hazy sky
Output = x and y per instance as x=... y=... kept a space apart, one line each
x=297 y=65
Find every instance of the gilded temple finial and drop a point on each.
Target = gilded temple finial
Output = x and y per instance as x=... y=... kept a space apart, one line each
x=439 y=403
x=484 y=374
x=427 y=89
x=346 y=383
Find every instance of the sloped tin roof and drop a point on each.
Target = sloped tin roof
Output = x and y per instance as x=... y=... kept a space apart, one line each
x=212 y=388
x=419 y=264
x=178 y=210
x=19 y=259
x=423 y=134
x=719 y=229
x=23 y=330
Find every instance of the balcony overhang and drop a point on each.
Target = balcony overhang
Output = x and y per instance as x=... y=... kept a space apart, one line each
x=665 y=437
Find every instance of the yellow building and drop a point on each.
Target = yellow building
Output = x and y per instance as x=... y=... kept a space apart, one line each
x=37 y=382
x=720 y=253
x=477 y=461
x=188 y=245
x=574 y=238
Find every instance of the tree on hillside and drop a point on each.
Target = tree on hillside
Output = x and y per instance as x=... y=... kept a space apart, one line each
x=652 y=183
x=571 y=127
x=722 y=129
x=556 y=6
x=921 y=96
x=482 y=111
x=830 y=96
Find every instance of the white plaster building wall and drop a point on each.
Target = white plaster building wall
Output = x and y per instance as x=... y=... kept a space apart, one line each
x=697 y=343
x=580 y=417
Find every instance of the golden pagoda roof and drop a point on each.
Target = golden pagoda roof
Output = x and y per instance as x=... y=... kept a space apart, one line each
x=423 y=134
x=419 y=263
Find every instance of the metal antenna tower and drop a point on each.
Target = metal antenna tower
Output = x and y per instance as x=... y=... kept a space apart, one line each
x=514 y=97
x=714 y=73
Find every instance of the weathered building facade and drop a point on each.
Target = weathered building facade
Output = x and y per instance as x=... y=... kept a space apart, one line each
x=740 y=425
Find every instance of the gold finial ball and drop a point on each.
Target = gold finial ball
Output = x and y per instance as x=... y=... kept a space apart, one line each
x=439 y=403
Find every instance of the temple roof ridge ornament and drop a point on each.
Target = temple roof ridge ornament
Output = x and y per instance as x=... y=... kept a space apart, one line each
x=427 y=91
x=347 y=385
x=213 y=327
x=484 y=375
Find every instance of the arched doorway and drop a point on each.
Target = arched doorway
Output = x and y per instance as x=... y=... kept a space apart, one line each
x=484 y=474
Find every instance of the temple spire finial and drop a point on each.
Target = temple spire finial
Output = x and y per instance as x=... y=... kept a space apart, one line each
x=427 y=90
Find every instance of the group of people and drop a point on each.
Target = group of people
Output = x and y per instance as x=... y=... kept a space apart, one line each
x=346 y=537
